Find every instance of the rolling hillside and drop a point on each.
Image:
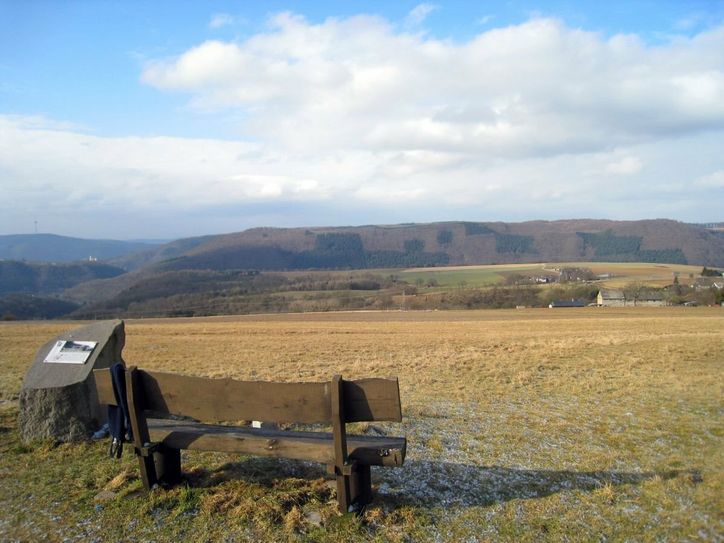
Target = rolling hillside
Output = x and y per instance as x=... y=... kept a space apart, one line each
x=43 y=278
x=449 y=243
x=53 y=248
x=221 y=274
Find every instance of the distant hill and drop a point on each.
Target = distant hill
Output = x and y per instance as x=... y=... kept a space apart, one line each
x=448 y=243
x=397 y=246
x=27 y=306
x=53 y=248
x=44 y=278
x=158 y=252
x=224 y=266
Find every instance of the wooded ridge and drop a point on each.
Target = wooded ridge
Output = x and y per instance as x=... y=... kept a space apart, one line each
x=273 y=269
x=408 y=245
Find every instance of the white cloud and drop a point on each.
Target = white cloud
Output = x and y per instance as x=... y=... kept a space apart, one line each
x=538 y=88
x=56 y=173
x=536 y=120
x=44 y=164
x=625 y=166
x=219 y=20
x=713 y=180
x=690 y=21
x=418 y=14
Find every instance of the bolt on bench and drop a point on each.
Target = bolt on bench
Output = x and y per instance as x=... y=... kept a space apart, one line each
x=158 y=441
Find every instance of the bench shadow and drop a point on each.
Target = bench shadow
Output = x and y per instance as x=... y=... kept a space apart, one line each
x=431 y=483
x=255 y=469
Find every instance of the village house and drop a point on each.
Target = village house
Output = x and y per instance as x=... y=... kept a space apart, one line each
x=703 y=283
x=616 y=298
x=567 y=303
x=652 y=299
x=611 y=298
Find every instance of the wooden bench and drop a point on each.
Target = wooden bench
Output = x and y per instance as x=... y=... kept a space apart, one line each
x=157 y=441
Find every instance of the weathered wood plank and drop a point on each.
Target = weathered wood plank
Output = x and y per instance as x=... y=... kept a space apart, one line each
x=136 y=401
x=374 y=399
x=104 y=387
x=313 y=446
x=339 y=431
x=226 y=399
x=362 y=485
x=139 y=427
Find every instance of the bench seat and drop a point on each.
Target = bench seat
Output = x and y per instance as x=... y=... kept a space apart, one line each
x=313 y=446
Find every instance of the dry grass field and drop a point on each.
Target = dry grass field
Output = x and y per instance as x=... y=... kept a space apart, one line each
x=582 y=424
x=621 y=273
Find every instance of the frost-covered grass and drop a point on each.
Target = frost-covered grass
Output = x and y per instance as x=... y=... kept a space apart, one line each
x=533 y=425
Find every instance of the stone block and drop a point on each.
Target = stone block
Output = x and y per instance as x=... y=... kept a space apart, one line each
x=59 y=401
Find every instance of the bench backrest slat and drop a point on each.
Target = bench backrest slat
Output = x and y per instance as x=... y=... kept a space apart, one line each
x=213 y=400
x=372 y=399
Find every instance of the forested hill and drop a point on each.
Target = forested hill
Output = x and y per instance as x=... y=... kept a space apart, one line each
x=53 y=248
x=44 y=278
x=226 y=273
x=437 y=244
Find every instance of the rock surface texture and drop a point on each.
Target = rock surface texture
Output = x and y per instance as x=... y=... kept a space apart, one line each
x=59 y=401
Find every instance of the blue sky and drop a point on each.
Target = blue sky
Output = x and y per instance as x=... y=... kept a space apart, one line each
x=168 y=119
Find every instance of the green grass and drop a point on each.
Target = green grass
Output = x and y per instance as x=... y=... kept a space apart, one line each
x=455 y=278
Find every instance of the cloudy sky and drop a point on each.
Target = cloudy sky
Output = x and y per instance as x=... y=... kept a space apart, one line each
x=166 y=119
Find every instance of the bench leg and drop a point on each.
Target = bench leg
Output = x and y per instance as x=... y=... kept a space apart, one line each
x=148 y=470
x=361 y=486
x=344 y=494
x=168 y=465
x=354 y=489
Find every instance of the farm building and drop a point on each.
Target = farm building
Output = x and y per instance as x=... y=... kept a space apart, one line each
x=567 y=303
x=650 y=299
x=616 y=298
x=703 y=283
x=611 y=298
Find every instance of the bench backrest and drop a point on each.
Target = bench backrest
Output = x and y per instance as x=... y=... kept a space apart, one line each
x=214 y=400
